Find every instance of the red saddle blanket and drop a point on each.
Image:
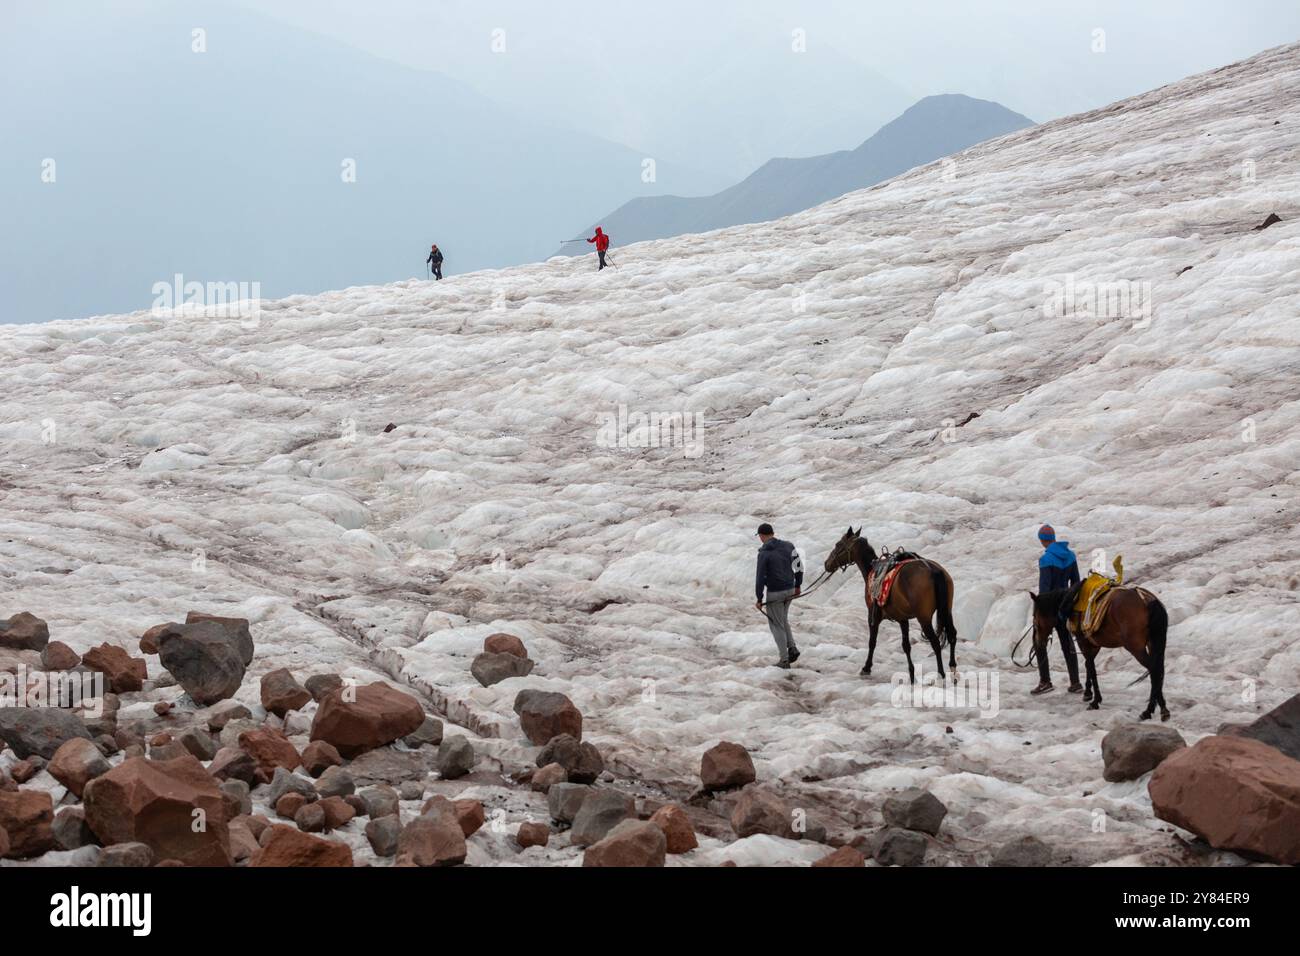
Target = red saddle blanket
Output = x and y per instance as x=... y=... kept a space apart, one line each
x=878 y=590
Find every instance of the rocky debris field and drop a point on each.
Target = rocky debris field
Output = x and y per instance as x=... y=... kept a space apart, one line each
x=167 y=768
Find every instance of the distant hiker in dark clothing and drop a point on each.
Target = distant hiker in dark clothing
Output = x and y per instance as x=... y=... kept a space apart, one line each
x=780 y=571
x=1058 y=570
x=435 y=261
x=602 y=245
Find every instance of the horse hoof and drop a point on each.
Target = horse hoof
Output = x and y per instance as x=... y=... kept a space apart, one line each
x=1087 y=696
x=1164 y=715
x=1145 y=715
x=1095 y=705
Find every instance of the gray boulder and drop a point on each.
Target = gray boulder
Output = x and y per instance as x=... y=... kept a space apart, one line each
x=24 y=632
x=580 y=760
x=39 y=730
x=456 y=757
x=600 y=812
x=898 y=847
x=489 y=669
x=564 y=800
x=915 y=809
x=205 y=658
x=1131 y=750
x=1026 y=851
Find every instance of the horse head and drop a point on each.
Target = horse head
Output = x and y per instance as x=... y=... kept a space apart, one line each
x=842 y=555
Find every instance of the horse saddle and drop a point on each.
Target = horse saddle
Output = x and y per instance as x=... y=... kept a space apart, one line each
x=1093 y=598
x=880 y=579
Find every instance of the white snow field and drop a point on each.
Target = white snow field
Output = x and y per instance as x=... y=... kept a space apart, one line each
x=155 y=463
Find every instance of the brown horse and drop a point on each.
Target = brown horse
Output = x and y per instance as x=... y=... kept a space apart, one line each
x=921 y=590
x=1134 y=620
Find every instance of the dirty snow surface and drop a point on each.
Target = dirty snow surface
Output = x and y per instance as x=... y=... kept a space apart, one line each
x=154 y=463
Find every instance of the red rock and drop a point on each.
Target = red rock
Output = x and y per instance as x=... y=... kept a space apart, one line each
x=122 y=672
x=58 y=656
x=283 y=846
x=160 y=739
x=24 y=770
x=289 y=804
x=318 y=756
x=4 y=843
x=257 y=824
x=282 y=693
x=162 y=708
x=377 y=716
x=24 y=632
x=154 y=802
x=758 y=811
x=243 y=845
x=544 y=715
x=470 y=815
x=726 y=766
x=844 y=856
x=27 y=816
x=677 y=828
x=270 y=749
x=149 y=639
x=1237 y=793
x=546 y=777
x=505 y=644
x=338 y=812
x=76 y=763
x=231 y=763
x=533 y=834
x=435 y=838
x=631 y=843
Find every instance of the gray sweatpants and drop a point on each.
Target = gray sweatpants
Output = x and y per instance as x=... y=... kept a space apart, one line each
x=778 y=621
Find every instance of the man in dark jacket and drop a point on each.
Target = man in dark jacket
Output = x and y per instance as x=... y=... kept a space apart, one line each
x=780 y=572
x=602 y=245
x=435 y=262
x=1058 y=570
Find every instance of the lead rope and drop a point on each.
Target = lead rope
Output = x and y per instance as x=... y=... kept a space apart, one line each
x=821 y=579
x=1029 y=661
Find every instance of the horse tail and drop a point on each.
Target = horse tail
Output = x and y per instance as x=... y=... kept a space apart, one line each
x=1157 y=631
x=943 y=605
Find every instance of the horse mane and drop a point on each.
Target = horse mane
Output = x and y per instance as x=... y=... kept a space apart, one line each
x=868 y=552
x=1049 y=602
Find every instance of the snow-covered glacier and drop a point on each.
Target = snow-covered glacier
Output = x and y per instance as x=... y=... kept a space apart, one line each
x=1078 y=324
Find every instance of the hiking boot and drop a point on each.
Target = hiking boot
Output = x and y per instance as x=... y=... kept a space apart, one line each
x=1044 y=687
x=794 y=654
x=1076 y=688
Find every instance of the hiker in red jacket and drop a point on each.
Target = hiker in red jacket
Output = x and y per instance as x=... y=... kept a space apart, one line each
x=602 y=245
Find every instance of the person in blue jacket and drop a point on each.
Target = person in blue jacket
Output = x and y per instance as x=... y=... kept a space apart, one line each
x=1058 y=570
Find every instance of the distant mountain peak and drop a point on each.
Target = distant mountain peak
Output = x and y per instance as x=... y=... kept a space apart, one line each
x=930 y=129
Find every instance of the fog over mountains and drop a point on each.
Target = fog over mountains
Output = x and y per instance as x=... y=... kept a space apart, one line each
x=228 y=164
x=936 y=127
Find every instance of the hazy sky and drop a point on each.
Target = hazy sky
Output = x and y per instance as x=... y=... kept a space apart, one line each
x=496 y=127
x=657 y=75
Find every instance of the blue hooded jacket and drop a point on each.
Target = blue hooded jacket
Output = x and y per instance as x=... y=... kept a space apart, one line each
x=1058 y=568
